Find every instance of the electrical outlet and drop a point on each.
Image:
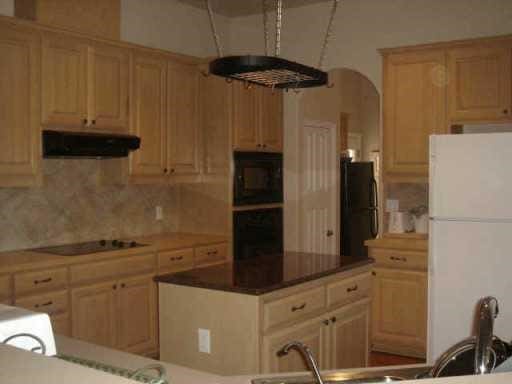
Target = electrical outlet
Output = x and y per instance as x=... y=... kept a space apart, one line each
x=392 y=205
x=159 y=213
x=204 y=340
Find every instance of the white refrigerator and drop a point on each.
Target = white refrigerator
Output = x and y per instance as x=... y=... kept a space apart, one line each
x=470 y=241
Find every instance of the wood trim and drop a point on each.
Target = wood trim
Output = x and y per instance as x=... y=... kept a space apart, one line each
x=257 y=206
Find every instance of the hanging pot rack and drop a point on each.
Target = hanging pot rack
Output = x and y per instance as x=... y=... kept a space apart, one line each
x=271 y=71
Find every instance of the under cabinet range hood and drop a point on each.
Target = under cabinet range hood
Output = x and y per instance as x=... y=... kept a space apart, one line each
x=59 y=144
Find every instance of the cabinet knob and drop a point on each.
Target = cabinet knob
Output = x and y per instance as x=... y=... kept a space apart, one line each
x=172 y=170
x=165 y=170
x=84 y=121
x=374 y=273
x=298 y=308
x=505 y=111
x=93 y=122
x=352 y=289
x=123 y=285
x=329 y=233
x=114 y=286
x=325 y=322
x=333 y=319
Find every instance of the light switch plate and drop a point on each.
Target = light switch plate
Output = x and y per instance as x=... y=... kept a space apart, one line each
x=204 y=340
x=392 y=205
x=159 y=213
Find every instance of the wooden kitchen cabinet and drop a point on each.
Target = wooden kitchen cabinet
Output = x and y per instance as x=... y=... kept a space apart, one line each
x=479 y=86
x=117 y=313
x=148 y=117
x=399 y=311
x=183 y=119
x=19 y=107
x=257 y=118
x=136 y=314
x=414 y=107
x=313 y=333
x=94 y=314
x=85 y=84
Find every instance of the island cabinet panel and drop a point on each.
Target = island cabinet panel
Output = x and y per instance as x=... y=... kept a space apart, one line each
x=348 y=336
x=313 y=333
x=480 y=86
x=136 y=314
x=399 y=311
x=148 y=117
x=183 y=119
x=19 y=107
x=94 y=313
x=414 y=107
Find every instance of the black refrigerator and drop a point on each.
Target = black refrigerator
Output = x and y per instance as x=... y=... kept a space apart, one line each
x=359 y=212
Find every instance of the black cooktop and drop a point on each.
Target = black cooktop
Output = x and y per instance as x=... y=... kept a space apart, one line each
x=89 y=247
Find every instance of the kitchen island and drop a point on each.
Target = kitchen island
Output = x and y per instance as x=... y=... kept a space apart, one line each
x=248 y=309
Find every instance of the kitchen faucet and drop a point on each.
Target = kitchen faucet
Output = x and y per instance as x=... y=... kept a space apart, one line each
x=487 y=311
x=306 y=353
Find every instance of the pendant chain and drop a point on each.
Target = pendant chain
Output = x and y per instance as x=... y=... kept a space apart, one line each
x=214 y=29
x=328 y=34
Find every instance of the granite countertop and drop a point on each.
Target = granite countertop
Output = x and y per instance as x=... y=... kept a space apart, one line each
x=265 y=274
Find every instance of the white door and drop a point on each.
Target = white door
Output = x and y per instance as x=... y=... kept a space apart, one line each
x=319 y=188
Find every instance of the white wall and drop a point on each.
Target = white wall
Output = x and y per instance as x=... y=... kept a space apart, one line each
x=7 y=7
x=170 y=25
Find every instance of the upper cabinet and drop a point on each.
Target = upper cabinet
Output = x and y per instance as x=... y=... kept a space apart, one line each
x=479 y=86
x=414 y=108
x=19 y=106
x=257 y=118
x=85 y=85
x=183 y=118
x=148 y=117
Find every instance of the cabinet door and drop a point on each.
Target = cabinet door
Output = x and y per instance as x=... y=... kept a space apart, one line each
x=183 y=118
x=349 y=335
x=136 y=314
x=399 y=311
x=313 y=333
x=479 y=83
x=93 y=311
x=19 y=107
x=271 y=119
x=245 y=117
x=64 y=73
x=216 y=96
x=414 y=108
x=108 y=87
x=148 y=116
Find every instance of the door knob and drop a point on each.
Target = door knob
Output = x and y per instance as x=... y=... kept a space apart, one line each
x=330 y=233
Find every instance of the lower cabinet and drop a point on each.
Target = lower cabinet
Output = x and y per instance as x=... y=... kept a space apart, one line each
x=338 y=339
x=117 y=313
x=399 y=311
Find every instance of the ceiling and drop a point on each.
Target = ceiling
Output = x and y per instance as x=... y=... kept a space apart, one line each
x=234 y=8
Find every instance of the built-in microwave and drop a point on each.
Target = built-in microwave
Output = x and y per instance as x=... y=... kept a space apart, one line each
x=258 y=178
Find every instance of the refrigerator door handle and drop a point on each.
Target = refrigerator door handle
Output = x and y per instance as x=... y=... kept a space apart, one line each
x=374 y=193
x=374 y=222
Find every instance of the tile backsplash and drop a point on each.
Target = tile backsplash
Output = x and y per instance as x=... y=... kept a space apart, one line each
x=72 y=206
x=409 y=195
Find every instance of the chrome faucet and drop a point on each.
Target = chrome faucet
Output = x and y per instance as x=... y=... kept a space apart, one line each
x=308 y=356
x=487 y=311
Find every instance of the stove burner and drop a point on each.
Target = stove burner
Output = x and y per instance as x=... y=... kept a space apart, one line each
x=89 y=247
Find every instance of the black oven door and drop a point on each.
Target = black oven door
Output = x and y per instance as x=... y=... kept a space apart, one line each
x=258 y=178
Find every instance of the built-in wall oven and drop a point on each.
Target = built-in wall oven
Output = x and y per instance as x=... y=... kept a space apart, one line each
x=257 y=232
x=258 y=178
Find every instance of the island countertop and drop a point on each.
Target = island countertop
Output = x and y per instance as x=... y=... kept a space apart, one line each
x=265 y=274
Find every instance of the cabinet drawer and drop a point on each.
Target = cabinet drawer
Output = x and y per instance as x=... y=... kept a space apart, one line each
x=133 y=265
x=349 y=289
x=172 y=261
x=5 y=289
x=399 y=259
x=35 y=282
x=61 y=324
x=293 y=307
x=51 y=303
x=211 y=254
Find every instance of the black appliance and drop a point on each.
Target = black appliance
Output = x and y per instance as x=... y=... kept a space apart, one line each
x=359 y=212
x=88 y=145
x=257 y=232
x=89 y=247
x=258 y=178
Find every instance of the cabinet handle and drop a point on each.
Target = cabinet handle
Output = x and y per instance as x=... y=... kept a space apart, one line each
x=300 y=307
x=505 y=111
x=172 y=170
x=333 y=319
x=352 y=289
x=325 y=322
x=123 y=285
x=44 y=304
x=394 y=258
x=264 y=145
x=374 y=273
x=93 y=122
x=165 y=170
x=114 y=286
x=84 y=121
x=47 y=280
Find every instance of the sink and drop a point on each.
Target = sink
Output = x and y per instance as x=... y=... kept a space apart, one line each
x=387 y=375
